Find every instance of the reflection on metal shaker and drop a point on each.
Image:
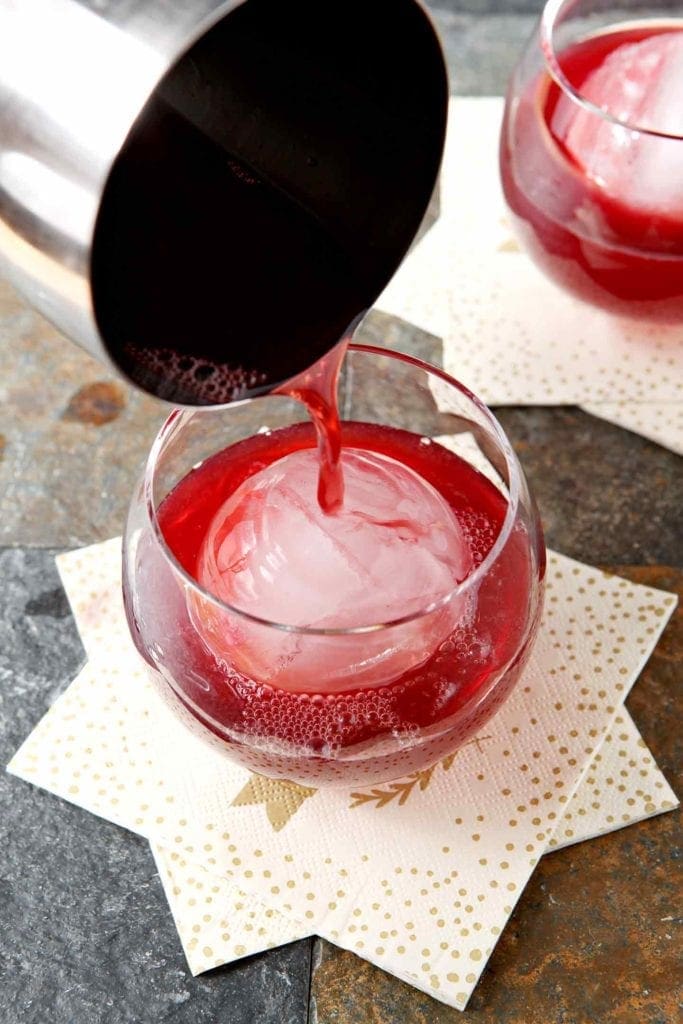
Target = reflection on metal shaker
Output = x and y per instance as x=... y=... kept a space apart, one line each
x=207 y=195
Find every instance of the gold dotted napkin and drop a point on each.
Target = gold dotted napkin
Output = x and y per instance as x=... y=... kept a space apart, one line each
x=420 y=875
x=511 y=335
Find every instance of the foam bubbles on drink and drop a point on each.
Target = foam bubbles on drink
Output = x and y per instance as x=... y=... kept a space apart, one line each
x=323 y=723
x=191 y=379
x=392 y=550
x=480 y=534
x=333 y=724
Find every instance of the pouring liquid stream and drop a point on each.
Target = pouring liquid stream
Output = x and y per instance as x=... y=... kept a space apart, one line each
x=316 y=388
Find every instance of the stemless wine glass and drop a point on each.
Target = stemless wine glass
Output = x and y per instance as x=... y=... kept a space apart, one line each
x=591 y=153
x=361 y=701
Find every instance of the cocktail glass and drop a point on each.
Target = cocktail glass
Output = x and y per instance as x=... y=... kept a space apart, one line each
x=357 y=699
x=591 y=153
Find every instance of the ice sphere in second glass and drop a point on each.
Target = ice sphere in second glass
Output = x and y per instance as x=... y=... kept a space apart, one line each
x=393 y=549
x=639 y=83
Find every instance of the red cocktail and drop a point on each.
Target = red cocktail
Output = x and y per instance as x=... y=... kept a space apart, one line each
x=357 y=641
x=592 y=155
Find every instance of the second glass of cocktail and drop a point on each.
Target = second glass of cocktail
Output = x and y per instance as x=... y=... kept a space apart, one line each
x=336 y=633
x=591 y=153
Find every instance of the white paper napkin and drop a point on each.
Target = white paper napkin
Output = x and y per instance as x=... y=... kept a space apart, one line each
x=611 y=795
x=418 y=876
x=510 y=334
x=623 y=785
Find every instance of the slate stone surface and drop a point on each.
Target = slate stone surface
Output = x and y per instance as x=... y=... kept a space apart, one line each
x=605 y=495
x=66 y=471
x=86 y=936
x=481 y=50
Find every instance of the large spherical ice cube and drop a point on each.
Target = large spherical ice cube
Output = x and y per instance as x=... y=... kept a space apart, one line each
x=639 y=84
x=393 y=549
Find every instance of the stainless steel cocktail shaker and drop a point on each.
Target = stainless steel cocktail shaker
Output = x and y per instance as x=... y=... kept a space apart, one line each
x=204 y=194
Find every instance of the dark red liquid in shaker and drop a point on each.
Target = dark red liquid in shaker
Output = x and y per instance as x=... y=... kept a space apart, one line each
x=266 y=194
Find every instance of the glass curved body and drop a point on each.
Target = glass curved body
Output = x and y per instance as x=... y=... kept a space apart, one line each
x=591 y=153
x=360 y=704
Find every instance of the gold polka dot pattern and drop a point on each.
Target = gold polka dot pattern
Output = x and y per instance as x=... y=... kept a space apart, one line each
x=622 y=785
x=423 y=888
x=218 y=923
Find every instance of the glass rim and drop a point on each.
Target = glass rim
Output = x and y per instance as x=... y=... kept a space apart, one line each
x=179 y=416
x=548 y=21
